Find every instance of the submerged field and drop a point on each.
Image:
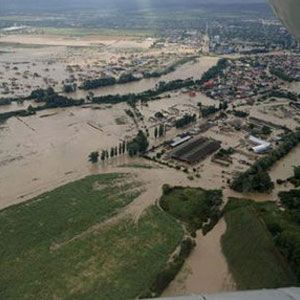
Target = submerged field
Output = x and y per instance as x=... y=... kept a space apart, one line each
x=252 y=256
x=65 y=245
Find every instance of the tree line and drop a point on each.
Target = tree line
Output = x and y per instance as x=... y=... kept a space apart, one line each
x=6 y=101
x=129 y=77
x=53 y=100
x=206 y=111
x=281 y=74
x=281 y=94
x=147 y=95
x=185 y=120
x=215 y=71
x=108 y=81
x=159 y=131
x=138 y=145
x=168 y=69
x=284 y=227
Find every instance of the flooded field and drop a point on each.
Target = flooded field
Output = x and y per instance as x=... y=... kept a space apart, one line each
x=83 y=41
x=276 y=111
x=29 y=62
x=53 y=147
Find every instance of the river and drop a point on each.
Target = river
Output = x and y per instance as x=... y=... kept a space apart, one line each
x=188 y=70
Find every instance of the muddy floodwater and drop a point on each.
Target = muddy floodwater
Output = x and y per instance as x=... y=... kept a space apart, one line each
x=51 y=148
x=205 y=270
x=16 y=106
x=295 y=87
x=188 y=70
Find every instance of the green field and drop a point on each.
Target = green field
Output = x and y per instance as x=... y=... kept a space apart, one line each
x=54 y=247
x=193 y=206
x=251 y=254
x=284 y=225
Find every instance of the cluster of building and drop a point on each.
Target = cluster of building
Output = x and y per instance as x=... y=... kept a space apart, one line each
x=218 y=46
x=249 y=78
x=249 y=36
x=289 y=64
x=69 y=68
x=191 y=39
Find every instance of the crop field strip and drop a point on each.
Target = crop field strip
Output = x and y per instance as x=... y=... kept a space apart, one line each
x=252 y=256
x=100 y=263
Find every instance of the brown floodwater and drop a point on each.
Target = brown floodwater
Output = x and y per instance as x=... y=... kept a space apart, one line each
x=16 y=106
x=188 y=70
x=295 y=87
x=51 y=148
x=205 y=270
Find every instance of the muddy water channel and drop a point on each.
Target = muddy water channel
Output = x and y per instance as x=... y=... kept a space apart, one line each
x=205 y=270
x=188 y=70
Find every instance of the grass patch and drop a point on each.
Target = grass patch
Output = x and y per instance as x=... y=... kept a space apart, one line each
x=66 y=211
x=252 y=256
x=193 y=206
x=108 y=263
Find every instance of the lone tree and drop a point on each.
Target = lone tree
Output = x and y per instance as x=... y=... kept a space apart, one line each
x=124 y=147
x=94 y=157
x=112 y=152
x=155 y=132
x=161 y=130
x=103 y=155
